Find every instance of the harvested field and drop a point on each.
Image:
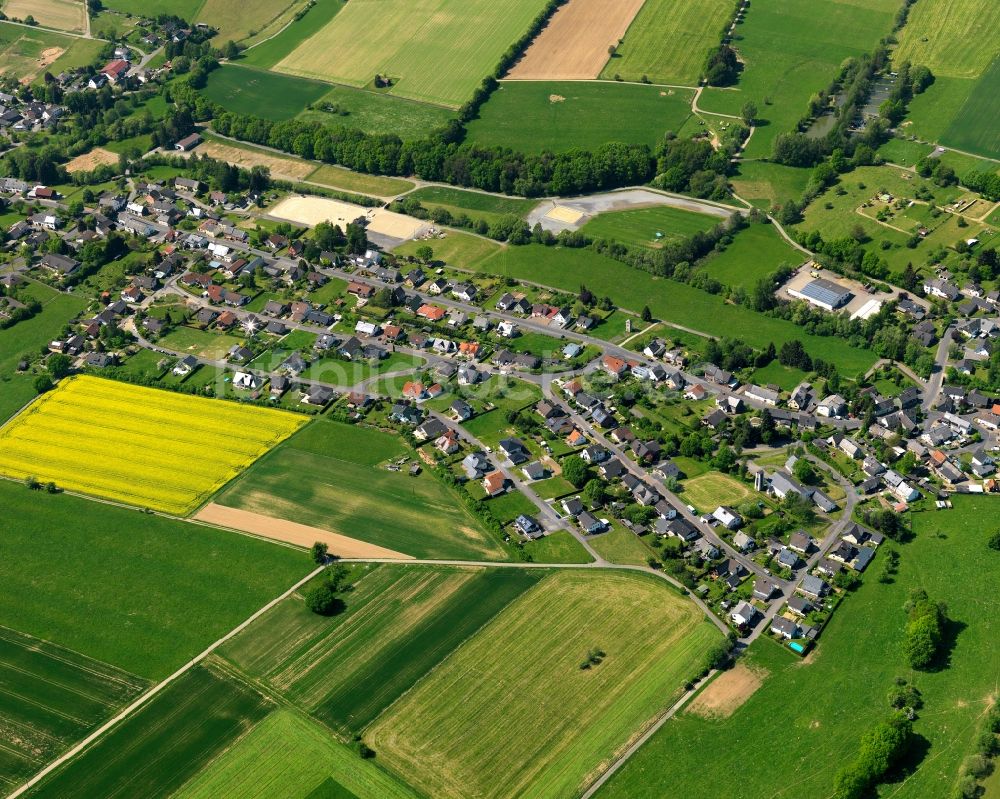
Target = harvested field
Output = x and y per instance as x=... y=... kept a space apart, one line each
x=512 y=713
x=289 y=168
x=291 y=532
x=307 y=210
x=574 y=45
x=727 y=692
x=87 y=162
x=137 y=445
x=66 y=15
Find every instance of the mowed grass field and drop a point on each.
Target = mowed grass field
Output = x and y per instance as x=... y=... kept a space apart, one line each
x=239 y=19
x=435 y=50
x=332 y=476
x=532 y=116
x=50 y=697
x=511 y=713
x=155 y=750
x=792 y=49
x=291 y=756
x=266 y=54
x=67 y=15
x=814 y=712
x=641 y=226
x=143 y=593
x=138 y=445
x=706 y=492
x=399 y=623
x=669 y=40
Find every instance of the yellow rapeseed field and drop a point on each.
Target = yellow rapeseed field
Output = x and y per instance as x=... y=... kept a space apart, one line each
x=143 y=446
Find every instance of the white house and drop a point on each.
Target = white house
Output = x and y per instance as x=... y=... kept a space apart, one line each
x=727 y=517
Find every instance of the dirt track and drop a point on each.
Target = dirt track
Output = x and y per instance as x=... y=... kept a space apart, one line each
x=293 y=533
x=574 y=45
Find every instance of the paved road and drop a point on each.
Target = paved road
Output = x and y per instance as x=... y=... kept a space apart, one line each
x=933 y=384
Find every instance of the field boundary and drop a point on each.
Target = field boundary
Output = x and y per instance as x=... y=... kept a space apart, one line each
x=146 y=697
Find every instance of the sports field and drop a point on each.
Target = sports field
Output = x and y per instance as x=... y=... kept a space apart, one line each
x=155 y=750
x=138 y=445
x=27 y=53
x=50 y=698
x=289 y=755
x=712 y=489
x=792 y=49
x=531 y=116
x=326 y=477
x=648 y=227
x=574 y=45
x=826 y=702
x=143 y=593
x=399 y=624
x=67 y=15
x=434 y=50
x=669 y=41
x=511 y=713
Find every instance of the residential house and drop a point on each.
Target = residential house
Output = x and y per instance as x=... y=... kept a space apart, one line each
x=494 y=483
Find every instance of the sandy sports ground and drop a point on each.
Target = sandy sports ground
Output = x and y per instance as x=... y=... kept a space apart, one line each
x=292 y=533
x=574 y=45
x=306 y=210
x=90 y=161
x=240 y=156
x=727 y=692
x=67 y=15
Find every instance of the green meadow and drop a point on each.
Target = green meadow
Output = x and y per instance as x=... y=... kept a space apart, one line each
x=535 y=116
x=814 y=711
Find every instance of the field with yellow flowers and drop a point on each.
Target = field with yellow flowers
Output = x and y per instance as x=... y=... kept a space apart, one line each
x=143 y=446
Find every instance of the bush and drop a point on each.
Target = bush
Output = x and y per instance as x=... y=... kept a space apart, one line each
x=924 y=630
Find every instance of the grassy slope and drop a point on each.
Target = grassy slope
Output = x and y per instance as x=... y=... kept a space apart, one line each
x=531 y=722
x=669 y=40
x=157 y=749
x=335 y=486
x=28 y=336
x=792 y=48
x=488 y=207
x=521 y=115
x=289 y=755
x=141 y=592
x=754 y=255
x=185 y=9
x=813 y=713
x=239 y=19
x=765 y=184
x=400 y=622
x=669 y=300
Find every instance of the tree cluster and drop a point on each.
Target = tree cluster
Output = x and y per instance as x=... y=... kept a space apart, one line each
x=881 y=747
x=924 y=634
